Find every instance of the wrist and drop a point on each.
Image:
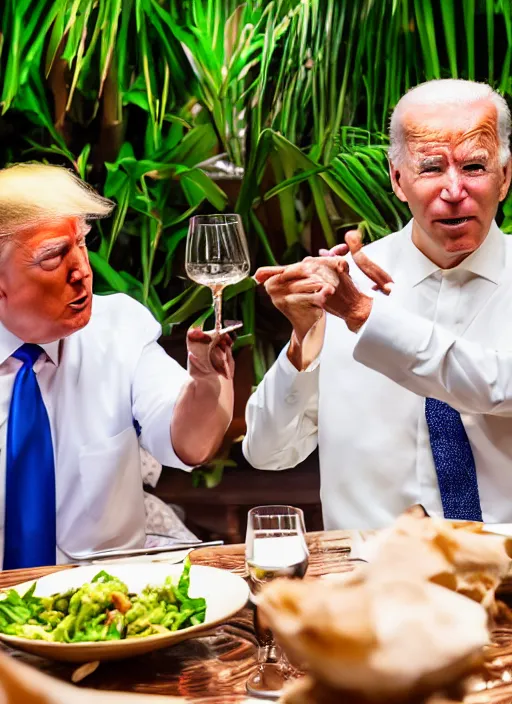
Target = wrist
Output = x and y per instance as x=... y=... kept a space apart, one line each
x=359 y=314
x=294 y=352
x=303 y=351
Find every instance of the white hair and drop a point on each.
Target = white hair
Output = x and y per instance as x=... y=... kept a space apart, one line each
x=33 y=194
x=448 y=91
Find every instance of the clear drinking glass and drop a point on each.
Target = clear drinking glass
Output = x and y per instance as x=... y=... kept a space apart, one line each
x=216 y=256
x=275 y=546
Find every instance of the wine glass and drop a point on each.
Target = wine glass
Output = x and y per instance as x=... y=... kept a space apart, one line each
x=275 y=546
x=216 y=256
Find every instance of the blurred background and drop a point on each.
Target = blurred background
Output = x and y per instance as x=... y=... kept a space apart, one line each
x=274 y=109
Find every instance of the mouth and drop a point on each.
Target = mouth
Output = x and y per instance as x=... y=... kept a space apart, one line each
x=79 y=303
x=455 y=222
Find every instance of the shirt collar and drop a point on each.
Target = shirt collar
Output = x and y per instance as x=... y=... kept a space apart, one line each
x=9 y=343
x=487 y=261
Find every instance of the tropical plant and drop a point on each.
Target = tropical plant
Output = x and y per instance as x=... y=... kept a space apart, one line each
x=178 y=106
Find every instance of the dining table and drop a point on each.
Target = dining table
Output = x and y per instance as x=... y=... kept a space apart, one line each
x=213 y=667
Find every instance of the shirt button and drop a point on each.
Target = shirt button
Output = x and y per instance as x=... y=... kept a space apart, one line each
x=291 y=398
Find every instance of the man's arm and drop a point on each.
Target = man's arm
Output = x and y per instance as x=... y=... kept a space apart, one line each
x=282 y=417
x=183 y=415
x=204 y=408
x=282 y=414
x=411 y=351
x=430 y=361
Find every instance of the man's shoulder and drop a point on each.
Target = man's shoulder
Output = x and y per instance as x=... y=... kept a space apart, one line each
x=118 y=304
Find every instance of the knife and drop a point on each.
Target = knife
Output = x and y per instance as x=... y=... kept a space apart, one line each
x=116 y=552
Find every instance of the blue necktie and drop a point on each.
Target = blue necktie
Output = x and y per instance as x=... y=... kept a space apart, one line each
x=30 y=515
x=454 y=462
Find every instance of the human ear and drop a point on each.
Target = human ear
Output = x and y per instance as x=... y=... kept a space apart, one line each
x=395 y=176
x=507 y=173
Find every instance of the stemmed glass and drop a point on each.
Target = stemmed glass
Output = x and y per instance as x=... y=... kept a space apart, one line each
x=275 y=546
x=216 y=256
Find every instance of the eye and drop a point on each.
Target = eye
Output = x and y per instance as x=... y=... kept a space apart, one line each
x=51 y=263
x=430 y=170
x=474 y=167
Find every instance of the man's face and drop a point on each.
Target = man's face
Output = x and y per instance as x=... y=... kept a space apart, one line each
x=451 y=178
x=46 y=283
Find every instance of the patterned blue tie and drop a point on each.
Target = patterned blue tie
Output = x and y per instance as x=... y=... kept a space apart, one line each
x=454 y=462
x=30 y=515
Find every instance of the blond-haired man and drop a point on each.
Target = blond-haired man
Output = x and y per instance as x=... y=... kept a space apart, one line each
x=383 y=447
x=80 y=377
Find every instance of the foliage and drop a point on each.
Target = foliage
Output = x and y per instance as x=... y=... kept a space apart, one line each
x=274 y=108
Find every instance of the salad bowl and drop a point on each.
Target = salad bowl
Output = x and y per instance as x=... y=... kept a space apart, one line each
x=225 y=594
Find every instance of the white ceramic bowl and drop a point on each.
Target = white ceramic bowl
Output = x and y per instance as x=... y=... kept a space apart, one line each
x=225 y=594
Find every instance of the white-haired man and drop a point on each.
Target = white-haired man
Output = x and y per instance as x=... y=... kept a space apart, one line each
x=382 y=447
x=81 y=377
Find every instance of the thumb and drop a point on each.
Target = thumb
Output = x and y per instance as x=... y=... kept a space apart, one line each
x=264 y=273
x=339 y=250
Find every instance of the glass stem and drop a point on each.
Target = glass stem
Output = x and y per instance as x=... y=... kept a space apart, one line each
x=269 y=654
x=268 y=650
x=217 y=308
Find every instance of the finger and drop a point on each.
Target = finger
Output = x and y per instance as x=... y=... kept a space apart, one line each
x=338 y=264
x=387 y=288
x=373 y=271
x=354 y=241
x=369 y=268
x=224 y=340
x=339 y=250
x=266 y=272
x=308 y=284
x=302 y=270
x=221 y=362
x=315 y=300
x=198 y=335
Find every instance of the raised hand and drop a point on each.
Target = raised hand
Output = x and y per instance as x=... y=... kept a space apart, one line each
x=299 y=291
x=210 y=353
x=354 y=245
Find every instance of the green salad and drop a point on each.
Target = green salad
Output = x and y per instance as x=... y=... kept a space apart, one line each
x=102 y=610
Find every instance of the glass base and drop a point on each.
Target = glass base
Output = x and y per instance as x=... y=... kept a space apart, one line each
x=267 y=681
x=236 y=325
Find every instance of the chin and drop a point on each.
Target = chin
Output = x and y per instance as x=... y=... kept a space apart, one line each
x=76 y=323
x=462 y=245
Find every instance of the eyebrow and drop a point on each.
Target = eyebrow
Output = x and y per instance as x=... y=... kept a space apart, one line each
x=431 y=161
x=477 y=156
x=50 y=249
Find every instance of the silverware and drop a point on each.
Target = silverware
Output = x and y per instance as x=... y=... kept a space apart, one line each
x=115 y=552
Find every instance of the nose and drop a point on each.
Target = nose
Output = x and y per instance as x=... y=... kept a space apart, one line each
x=454 y=189
x=81 y=268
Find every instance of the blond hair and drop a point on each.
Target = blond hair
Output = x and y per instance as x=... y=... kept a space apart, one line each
x=449 y=91
x=32 y=194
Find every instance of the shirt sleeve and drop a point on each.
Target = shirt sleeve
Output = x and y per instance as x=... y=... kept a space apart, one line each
x=282 y=416
x=157 y=382
x=430 y=361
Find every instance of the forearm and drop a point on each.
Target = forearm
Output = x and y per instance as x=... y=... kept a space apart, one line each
x=305 y=348
x=430 y=361
x=201 y=418
x=282 y=417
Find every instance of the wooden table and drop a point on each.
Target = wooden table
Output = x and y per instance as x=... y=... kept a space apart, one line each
x=213 y=669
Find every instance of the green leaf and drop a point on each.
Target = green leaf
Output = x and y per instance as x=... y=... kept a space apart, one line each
x=108 y=273
x=198 y=186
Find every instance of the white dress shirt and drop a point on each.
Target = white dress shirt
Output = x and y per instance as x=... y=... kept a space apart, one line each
x=430 y=360
x=94 y=384
x=373 y=440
